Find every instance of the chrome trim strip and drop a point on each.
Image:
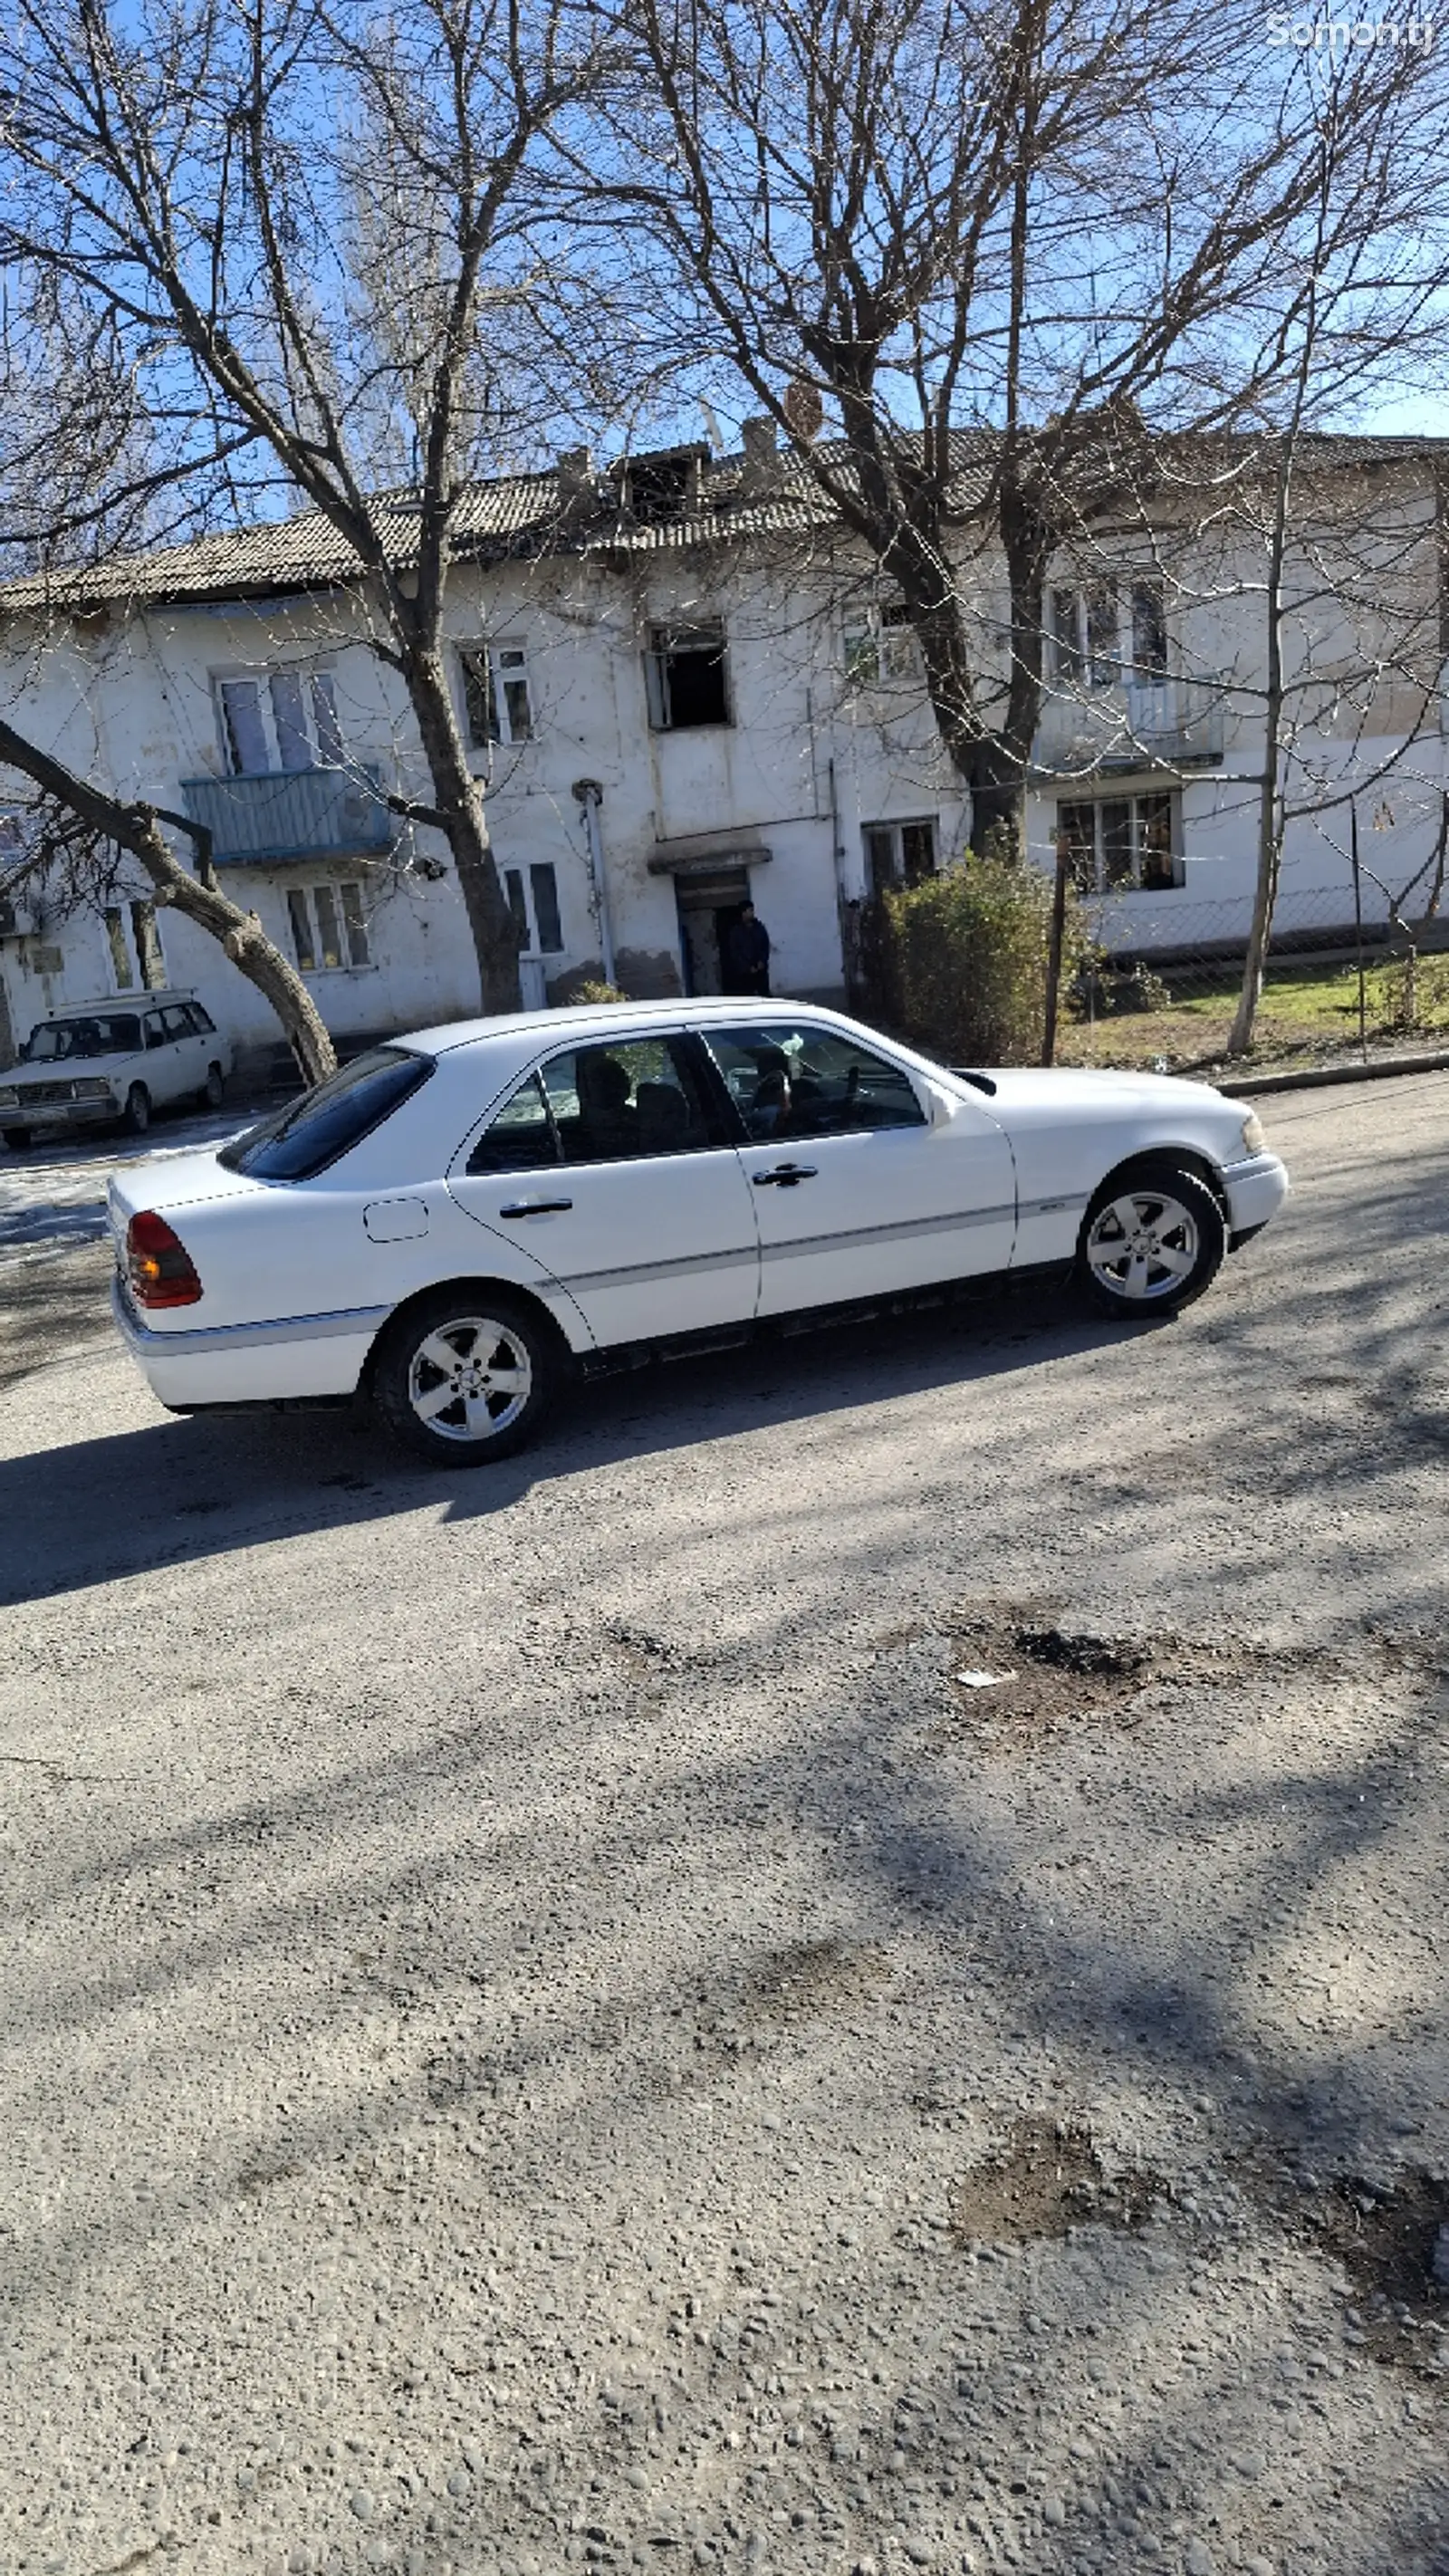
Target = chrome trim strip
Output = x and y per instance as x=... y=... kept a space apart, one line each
x=1067 y=1204
x=680 y=1267
x=900 y=1233
x=194 y=1341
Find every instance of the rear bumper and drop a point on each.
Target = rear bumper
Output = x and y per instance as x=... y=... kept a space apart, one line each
x=292 y=1356
x=1256 y=1190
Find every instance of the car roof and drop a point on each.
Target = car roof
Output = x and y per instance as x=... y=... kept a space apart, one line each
x=108 y=1003
x=577 y=1017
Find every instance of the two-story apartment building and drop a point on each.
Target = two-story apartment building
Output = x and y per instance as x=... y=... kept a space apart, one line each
x=684 y=688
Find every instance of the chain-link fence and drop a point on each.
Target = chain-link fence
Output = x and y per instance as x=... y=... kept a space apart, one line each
x=1163 y=988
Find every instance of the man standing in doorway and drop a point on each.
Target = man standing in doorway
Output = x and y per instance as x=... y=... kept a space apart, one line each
x=747 y=954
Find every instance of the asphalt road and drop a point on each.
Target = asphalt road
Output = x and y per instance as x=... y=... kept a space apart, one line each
x=544 y=2024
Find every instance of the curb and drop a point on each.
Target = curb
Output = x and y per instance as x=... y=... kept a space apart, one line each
x=1325 y=1077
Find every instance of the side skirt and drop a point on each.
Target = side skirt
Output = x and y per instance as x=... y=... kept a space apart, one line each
x=621 y=1356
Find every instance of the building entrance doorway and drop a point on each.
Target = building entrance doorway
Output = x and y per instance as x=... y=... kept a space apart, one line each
x=708 y=905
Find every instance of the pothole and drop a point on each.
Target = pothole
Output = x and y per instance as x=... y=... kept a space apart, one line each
x=1385 y=2241
x=1049 y=2180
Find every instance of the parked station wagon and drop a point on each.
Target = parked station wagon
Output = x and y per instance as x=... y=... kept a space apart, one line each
x=100 y=1062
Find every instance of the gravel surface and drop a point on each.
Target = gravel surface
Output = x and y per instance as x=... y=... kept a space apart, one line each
x=547 y=2026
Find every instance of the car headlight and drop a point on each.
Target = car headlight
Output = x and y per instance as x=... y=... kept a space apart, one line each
x=91 y=1089
x=1253 y=1137
x=9 y=1096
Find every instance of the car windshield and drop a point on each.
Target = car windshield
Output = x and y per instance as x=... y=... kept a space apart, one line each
x=100 y=1033
x=311 y=1132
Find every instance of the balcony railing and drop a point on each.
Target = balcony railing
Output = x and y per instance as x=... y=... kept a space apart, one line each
x=292 y=814
x=1144 y=724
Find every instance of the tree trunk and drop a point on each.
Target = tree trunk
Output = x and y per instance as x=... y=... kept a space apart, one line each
x=245 y=944
x=459 y=806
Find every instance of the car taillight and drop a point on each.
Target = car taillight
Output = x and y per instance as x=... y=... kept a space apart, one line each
x=158 y=1265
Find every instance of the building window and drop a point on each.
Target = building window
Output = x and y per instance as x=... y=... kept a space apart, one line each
x=899 y=853
x=134 y=943
x=1121 y=841
x=329 y=927
x=880 y=645
x=279 y=720
x=534 y=907
x=497 y=696
x=687 y=678
x=1088 y=646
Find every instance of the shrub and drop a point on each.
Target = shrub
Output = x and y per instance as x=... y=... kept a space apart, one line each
x=594 y=989
x=966 y=959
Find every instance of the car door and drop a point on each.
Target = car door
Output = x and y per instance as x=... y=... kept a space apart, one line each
x=611 y=1164
x=163 y=1076
x=180 y=1028
x=858 y=1189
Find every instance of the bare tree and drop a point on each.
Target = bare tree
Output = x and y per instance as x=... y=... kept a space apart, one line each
x=321 y=239
x=999 y=253
x=74 y=833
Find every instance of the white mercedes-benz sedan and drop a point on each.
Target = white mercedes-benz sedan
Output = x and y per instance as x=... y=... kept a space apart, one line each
x=459 y=1221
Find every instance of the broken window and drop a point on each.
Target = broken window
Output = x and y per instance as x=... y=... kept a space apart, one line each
x=662 y=487
x=497 y=694
x=686 y=676
x=1121 y=841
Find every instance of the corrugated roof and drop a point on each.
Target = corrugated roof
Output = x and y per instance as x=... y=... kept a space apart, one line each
x=524 y=514
x=519 y=514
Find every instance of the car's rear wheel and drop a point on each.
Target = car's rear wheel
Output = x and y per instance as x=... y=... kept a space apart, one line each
x=466 y=1375
x=1151 y=1241
x=213 y=1090
x=136 y=1116
x=17 y=1138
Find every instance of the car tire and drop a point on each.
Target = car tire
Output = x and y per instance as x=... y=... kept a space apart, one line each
x=213 y=1090
x=136 y=1116
x=498 y=1354
x=17 y=1138
x=1152 y=1240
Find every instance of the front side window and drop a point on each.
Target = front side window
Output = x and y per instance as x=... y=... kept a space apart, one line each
x=311 y=1132
x=623 y=1102
x=807 y=1081
x=687 y=677
x=281 y=720
x=1121 y=842
x=329 y=926
x=497 y=694
x=899 y=853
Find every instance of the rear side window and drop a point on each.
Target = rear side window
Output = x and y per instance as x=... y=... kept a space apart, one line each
x=311 y=1132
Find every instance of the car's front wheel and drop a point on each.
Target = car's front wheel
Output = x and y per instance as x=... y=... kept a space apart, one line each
x=136 y=1116
x=213 y=1090
x=1151 y=1241
x=17 y=1138
x=466 y=1375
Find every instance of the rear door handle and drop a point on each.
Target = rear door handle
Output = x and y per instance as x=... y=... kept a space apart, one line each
x=537 y=1207
x=785 y=1175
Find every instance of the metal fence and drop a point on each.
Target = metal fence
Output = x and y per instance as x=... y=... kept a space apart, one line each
x=1162 y=987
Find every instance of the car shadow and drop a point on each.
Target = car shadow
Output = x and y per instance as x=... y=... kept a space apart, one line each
x=192 y=1487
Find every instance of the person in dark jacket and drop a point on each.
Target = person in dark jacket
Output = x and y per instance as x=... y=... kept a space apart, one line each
x=747 y=954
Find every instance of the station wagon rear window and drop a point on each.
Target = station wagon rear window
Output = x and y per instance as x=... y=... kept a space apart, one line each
x=312 y=1132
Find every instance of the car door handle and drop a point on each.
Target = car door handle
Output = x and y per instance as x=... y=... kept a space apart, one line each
x=785 y=1175
x=537 y=1207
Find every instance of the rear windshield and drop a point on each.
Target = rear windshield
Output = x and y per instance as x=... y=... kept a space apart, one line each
x=106 y=1033
x=311 y=1132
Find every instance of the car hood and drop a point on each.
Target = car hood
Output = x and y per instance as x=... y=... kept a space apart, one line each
x=67 y=1068
x=1060 y=1088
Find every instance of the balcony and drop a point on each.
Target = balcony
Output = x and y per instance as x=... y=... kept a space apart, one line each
x=1141 y=725
x=292 y=814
